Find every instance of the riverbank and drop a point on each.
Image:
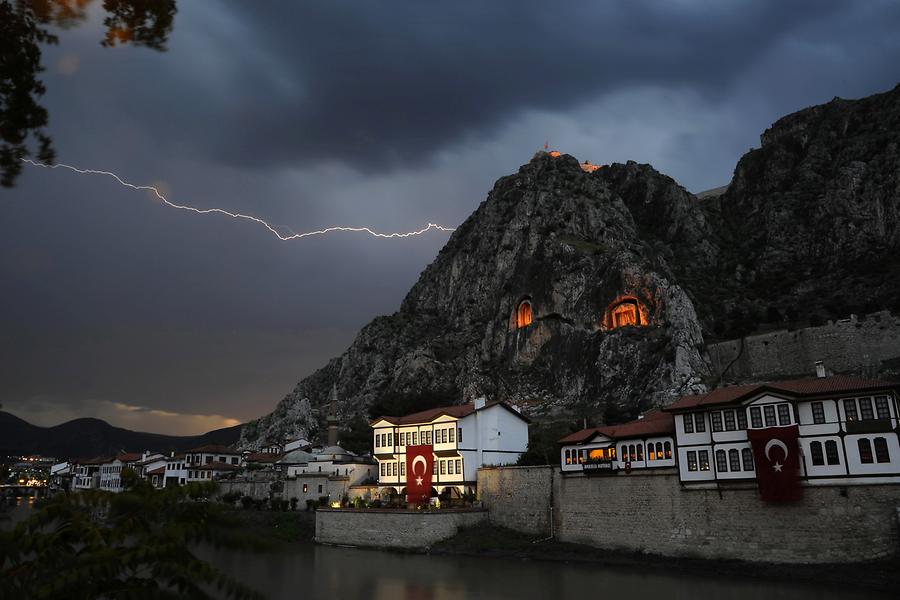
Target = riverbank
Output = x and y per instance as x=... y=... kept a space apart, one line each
x=288 y=527
x=497 y=542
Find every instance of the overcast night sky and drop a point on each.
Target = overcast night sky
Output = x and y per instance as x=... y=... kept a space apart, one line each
x=381 y=114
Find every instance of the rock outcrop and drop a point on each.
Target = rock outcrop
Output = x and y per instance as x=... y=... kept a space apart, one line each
x=807 y=228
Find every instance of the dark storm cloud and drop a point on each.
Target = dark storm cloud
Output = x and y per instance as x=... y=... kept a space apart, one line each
x=383 y=83
x=384 y=114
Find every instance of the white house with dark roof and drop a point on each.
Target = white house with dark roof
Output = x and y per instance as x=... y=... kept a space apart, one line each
x=645 y=443
x=464 y=437
x=848 y=430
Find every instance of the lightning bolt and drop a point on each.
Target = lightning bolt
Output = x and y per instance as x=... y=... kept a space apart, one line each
x=221 y=211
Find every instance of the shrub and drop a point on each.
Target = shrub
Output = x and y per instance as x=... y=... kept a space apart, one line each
x=312 y=504
x=294 y=501
x=246 y=502
x=230 y=498
x=323 y=500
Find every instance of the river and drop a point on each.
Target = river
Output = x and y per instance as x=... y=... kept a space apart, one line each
x=321 y=572
x=311 y=572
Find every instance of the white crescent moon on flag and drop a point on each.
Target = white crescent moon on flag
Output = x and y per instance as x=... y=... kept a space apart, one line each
x=416 y=461
x=780 y=444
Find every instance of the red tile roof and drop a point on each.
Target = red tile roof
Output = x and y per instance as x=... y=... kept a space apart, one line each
x=128 y=457
x=816 y=386
x=263 y=457
x=654 y=422
x=213 y=449
x=457 y=410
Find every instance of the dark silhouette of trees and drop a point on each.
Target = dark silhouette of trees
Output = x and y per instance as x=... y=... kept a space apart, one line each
x=23 y=120
x=139 y=543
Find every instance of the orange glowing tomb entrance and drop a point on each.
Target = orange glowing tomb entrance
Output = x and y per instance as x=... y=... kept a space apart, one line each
x=625 y=314
x=523 y=315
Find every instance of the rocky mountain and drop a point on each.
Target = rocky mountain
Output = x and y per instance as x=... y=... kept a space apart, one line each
x=94 y=437
x=625 y=274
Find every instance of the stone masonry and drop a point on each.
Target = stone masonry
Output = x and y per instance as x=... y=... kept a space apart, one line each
x=651 y=513
x=847 y=345
x=392 y=528
x=518 y=497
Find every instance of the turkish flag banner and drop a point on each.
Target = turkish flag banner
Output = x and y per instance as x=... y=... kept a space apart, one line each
x=777 y=457
x=419 y=467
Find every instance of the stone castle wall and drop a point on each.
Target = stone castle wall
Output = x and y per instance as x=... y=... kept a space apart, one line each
x=519 y=497
x=651 y=513
x=392 y=528
x=854 y=344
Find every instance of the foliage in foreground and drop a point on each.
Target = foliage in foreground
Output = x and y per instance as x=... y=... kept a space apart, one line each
x=135 y=544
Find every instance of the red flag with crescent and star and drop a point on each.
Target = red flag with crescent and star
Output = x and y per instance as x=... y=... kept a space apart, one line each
x=777 y=456
x=419 y=467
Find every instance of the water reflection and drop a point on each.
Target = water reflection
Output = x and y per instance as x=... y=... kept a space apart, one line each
x=23 y=29
x=316 y=572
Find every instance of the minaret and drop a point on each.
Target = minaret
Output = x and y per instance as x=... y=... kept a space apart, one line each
x=332 y=418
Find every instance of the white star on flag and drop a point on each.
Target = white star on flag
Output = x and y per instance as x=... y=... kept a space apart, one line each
x=418 y=481
x=777 y=467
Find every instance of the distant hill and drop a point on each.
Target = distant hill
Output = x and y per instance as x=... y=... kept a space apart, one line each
x=94 y=437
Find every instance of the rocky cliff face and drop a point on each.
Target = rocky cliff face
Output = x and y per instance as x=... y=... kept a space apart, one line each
x=808 y=226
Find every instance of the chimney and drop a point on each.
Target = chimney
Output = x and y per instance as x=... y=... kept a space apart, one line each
x=820 y=369
x=479 y=403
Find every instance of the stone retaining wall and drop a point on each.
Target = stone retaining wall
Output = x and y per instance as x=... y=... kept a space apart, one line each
x=519 y=497
x=392 y=528
x=652 y=513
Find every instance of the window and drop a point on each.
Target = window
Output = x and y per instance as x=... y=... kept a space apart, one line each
x=305 y=488
x=692 y=460
x=721 y=461
x=755 y=416
x=443 y=468
x=651 y=455
x=459 y=466
x=659 y=450
x=882 y=407
x=688 y=421
x=747 y=456
x=402 y=439
x=831 y=453
x=394 y=469
x=769 y=412
x=403 y=468
x=459 y=436
x=640 y=450
x=668 y=446
x=451 y=431
x=865 y=409
x=816 y=454
x=408 y=438
x=729 y=420
x=882 y=454
x=624 y=453
x=742 y=418
x=320 y=488
x=568 y=457
x=865 y=451
x=449 y=467
x=415 y=438
x=700 y=423
x=703 y=456
x=850 y=409
x=390 y=440
x=716 y=419
x=632 y=453
x=784 y=414
x=818 y=412
x=734 y=460
x=209 y=459
x=382 y=469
